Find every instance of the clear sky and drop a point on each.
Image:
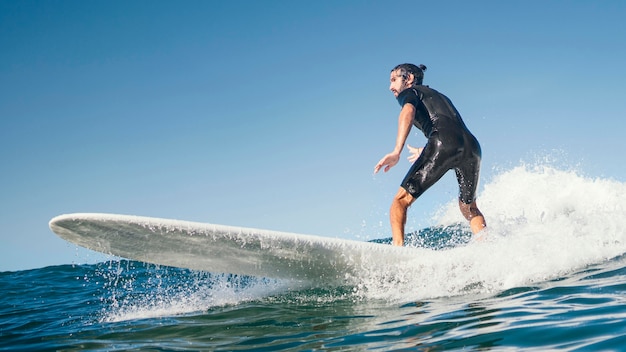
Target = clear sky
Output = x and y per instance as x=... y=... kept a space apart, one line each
x=272 y=114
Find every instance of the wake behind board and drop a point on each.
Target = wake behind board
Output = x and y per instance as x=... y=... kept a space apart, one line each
x=227 y=249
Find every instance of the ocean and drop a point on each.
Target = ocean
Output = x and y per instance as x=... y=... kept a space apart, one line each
x=550 y=274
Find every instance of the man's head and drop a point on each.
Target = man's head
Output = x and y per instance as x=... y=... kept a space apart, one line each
x=405 y=76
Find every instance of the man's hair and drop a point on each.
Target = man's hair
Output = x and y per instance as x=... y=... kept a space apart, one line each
x=417 y=71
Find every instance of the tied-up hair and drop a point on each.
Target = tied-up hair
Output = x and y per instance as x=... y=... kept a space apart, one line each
x=405 y=69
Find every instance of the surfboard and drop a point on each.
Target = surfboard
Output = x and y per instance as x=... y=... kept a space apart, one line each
x=227 y=249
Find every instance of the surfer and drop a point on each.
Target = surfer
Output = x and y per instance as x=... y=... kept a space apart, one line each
x=450 y=145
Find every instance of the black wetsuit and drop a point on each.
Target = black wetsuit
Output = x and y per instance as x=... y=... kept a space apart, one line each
x=450 y=144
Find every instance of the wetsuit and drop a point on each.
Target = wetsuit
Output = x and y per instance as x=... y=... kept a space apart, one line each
x=450 y=144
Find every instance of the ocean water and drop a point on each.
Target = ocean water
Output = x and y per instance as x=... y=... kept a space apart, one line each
x=549 y=275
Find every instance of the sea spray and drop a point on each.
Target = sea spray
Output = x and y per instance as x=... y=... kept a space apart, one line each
x=543 y=223
x=135 y=290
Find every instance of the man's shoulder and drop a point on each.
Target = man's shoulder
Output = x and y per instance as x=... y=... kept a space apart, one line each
x=424 y=88
x=408 y=96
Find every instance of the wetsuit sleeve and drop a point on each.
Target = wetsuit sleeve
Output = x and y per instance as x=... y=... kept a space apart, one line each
x=408 y=96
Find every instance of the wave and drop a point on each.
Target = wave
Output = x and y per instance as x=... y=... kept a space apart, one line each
x=544 y=224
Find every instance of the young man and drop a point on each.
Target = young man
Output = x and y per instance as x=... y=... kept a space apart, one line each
x=450 y=145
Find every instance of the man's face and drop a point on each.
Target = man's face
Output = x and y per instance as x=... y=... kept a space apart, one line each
x=398 y=84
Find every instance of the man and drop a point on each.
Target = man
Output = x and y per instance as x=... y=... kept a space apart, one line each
x=450 y=145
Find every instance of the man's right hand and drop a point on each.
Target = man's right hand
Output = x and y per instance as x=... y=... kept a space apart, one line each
x=388 y=161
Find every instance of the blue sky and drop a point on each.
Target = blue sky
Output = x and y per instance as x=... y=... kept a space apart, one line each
x=272 y=114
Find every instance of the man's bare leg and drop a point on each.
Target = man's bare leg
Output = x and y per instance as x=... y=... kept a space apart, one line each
x=474 y=216
x=397 y=215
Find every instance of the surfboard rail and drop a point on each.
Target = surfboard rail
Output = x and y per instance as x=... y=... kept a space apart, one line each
x=223 y=249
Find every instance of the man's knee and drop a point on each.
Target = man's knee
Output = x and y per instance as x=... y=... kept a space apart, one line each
x=403 y=199
x=469 y=211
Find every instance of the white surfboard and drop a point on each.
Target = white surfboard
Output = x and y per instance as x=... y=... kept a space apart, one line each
x=227 y=249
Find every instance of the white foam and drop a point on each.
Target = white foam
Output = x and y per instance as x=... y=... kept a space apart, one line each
x=542 y=223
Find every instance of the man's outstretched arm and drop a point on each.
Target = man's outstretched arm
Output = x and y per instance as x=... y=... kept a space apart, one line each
x=405 y=121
